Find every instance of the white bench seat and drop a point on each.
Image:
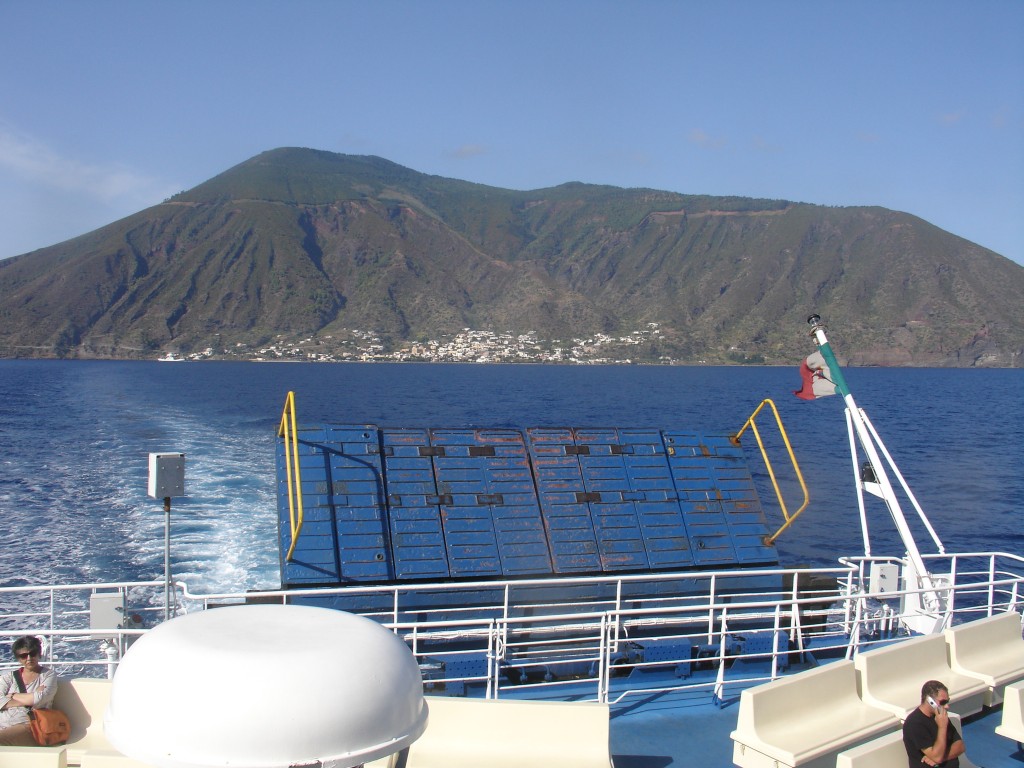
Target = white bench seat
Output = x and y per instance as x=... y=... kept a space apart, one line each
x=991 y=649
x=805 y=719
x=1012 y=724
x=506 y=733
x=884 y=752
x=84 y=700
x=101 y=759
x=33 y=757
x=891 y=676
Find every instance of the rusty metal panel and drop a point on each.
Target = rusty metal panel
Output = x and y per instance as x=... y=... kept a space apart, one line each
x=493 y=524
x=343 y=537
x=691 y=460
x=570 y=529
x=631 y=466
x=417 y=537
x=720 y=502
x=656 y=499
x=616 y=483
x=605 y=471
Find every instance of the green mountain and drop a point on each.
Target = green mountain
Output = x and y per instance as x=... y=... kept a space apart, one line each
x=299 y=243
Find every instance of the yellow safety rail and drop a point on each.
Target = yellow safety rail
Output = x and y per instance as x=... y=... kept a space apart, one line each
x=288 y=431
x=771 y=471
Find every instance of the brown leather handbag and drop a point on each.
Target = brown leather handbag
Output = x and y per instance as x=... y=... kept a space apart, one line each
x=49 y=726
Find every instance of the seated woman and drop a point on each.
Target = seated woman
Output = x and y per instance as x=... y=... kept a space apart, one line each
x=40 y=688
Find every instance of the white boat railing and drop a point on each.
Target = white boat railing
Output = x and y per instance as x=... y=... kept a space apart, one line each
x=607 y=649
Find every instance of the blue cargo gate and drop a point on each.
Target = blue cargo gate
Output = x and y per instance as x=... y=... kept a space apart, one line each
x=385 y=505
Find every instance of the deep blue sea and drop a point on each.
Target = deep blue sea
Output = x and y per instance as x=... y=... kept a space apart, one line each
x=75 y=438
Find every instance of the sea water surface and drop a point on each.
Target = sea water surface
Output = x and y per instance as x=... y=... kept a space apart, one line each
x=75 y=438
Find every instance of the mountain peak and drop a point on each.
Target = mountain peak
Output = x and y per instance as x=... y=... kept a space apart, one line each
x=298 y=175
x=302 y=243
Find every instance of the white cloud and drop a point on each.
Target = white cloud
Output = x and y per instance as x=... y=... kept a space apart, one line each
x=469 y=150
x=46 y=197
x=706 y=141
x=763 y=145
x=38 y=164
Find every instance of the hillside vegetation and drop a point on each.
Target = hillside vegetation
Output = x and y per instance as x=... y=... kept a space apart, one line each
x=299 y=243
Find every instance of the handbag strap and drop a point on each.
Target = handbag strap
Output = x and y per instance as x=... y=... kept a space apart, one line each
x=21 y=687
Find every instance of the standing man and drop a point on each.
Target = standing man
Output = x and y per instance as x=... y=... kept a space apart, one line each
x=928 y=736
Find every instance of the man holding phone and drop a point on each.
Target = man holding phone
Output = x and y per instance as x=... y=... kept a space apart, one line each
x=929 y=737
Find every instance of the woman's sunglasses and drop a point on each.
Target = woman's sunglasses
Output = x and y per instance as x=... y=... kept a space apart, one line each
x=26 y=654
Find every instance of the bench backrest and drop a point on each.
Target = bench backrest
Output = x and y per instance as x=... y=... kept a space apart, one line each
x=900 y=660
x=891 y=676
x=84 y=701
x=780 y=699
x=507 y=732
x=976 y=639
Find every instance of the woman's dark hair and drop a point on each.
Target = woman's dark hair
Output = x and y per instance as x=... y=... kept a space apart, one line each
x=28 y=643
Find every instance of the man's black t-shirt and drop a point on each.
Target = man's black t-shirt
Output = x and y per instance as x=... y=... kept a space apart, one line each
x=919 y=732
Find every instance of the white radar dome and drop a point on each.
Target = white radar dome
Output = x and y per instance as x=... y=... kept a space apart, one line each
x=265 y=686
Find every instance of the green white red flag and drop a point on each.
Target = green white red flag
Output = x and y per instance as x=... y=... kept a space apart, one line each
x=817 y=382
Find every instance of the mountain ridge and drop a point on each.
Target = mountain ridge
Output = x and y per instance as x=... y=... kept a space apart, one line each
x=297 y=242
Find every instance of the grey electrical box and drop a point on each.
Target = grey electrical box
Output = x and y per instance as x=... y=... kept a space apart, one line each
x=883 y=577
x=106 y=612
x=166 y=475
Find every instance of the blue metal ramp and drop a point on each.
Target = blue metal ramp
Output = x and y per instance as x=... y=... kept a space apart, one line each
x=382 y=505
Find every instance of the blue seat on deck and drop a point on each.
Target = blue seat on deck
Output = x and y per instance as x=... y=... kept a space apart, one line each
x=473 y=666
x=758 y=649
x=676 y=650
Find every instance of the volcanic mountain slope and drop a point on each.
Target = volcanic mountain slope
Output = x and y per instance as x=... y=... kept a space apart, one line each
x=299 y=242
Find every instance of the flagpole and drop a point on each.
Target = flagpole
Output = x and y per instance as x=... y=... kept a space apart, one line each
x=857 y=419
x=835 y=372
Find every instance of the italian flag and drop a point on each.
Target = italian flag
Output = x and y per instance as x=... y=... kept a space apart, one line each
x=817 y=382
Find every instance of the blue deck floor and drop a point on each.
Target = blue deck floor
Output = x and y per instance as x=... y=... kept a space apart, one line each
x=986 y=748
x=673 y=730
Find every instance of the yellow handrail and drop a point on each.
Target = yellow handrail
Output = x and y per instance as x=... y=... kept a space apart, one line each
x=288 y=431
x=771 y=471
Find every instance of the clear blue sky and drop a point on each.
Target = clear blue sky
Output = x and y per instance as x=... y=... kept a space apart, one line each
x=107 y=107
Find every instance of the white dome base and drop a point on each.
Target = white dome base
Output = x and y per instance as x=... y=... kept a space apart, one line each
x=266 y=686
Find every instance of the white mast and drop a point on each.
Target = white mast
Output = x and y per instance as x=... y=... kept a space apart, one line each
x=875 y=480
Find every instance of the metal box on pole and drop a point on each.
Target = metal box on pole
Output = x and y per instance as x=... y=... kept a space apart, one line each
x=166 y=475
x=106 y=613
x=167 y=480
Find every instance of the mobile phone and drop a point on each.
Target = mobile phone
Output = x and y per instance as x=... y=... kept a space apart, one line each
x=934 y=704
